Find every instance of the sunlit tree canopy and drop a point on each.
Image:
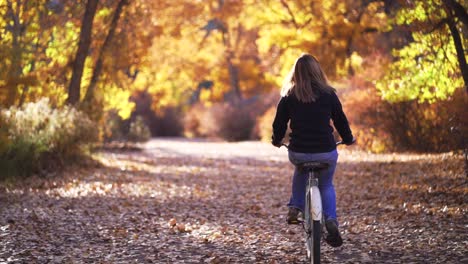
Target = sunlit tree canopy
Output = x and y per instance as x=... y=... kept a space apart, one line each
x=104 y=51
x=429 y=67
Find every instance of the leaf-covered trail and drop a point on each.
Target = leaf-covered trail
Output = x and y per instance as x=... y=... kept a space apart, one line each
x=186 y=201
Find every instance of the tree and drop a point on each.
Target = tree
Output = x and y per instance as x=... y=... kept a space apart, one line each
x=456 y=19
x=35 y=49
x=206 y=41
x=16 y=20
x=336 y=32
x=105 y=46
x=222 y=13
x=82 y=52
x=433 y=65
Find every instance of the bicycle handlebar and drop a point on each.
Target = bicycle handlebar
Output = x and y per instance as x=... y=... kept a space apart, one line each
x=342 y=143
x=337 y=143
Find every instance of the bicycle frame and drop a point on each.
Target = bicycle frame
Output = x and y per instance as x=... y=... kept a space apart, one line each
x=316 y=198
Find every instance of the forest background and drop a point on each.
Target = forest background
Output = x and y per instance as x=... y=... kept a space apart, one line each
x=76 y=73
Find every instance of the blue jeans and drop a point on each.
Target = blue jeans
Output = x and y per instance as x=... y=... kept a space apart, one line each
x=327 y=190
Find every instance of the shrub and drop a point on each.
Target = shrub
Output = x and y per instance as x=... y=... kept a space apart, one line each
x=221 y=120
x=41 y=137
x=139 y=131
x=365 y=111
x=427 y=127
x=193 y=121
x=234 y=123
x=113 y=127
x=167 y=123
x=264 y=128
x=134 y=129
x=381 y=126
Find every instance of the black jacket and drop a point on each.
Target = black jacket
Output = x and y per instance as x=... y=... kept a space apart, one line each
x=310 y=123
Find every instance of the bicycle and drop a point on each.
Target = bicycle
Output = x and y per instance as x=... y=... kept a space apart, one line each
x=313 y=217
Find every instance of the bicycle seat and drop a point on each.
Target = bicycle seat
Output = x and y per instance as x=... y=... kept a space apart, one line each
x=312 y=166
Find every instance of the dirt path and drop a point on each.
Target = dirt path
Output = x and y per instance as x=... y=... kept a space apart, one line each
x=186 y=201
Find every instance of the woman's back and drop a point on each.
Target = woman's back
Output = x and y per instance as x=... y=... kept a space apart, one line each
x=310 y=122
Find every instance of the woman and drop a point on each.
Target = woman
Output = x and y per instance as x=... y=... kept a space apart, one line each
x=308 y=103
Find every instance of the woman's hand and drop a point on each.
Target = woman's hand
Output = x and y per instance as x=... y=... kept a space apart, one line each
x=348 y=143
x=276 y=144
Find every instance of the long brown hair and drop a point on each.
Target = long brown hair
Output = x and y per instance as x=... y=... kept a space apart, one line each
x=306 y=80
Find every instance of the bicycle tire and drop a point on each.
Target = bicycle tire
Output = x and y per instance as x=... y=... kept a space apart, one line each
x=316 y=235
x=308 y=227
x=309 y=246
x=313 y=234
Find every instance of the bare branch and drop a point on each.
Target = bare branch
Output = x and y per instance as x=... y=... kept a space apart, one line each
x=440 y=24
x=458 y=9
x=293 y=18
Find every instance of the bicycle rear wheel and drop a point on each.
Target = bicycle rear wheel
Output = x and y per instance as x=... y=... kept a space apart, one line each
x=313 y=232
x=316 y=235
x=308 y=225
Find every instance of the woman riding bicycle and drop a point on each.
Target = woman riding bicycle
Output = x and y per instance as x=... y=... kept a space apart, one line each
x=308 y=102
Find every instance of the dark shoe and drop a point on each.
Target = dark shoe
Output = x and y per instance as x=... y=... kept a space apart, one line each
x=293 y=216
x=333 y=238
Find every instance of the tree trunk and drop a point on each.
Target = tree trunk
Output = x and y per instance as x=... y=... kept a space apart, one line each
x=460 y=51
x=234 y=95
x=233 y=79
x=349 y=52
x=82 y=52
x=16 y=69
x=98 y=67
